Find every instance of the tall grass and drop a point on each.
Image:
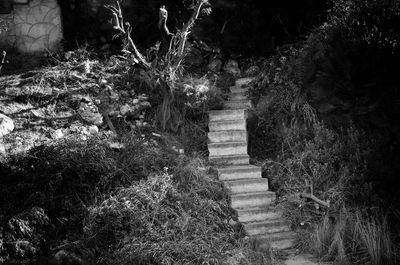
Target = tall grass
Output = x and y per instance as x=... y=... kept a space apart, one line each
x=353 y=239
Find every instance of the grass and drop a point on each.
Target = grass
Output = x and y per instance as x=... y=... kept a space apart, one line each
x=353 y=239
x=141 y=204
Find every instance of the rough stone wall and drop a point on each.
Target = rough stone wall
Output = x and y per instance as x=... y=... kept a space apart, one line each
x=33 y=28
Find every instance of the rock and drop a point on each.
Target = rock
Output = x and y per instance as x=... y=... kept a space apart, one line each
x=57 y=134
x=13 y=91
x=39 y=90
x=6 y=125
x=215 y=65
x=116 y=145
x=232 y=67
x=89 y=112
x=14 y=107
x=93 y=129
x=252 y=70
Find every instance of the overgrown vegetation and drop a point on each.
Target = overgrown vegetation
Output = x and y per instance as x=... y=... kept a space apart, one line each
x=325 y=110
x=131 y=194
x=143 y=203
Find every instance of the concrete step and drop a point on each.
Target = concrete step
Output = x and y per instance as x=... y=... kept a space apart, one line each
x=267 y=227
x=239 y=172
x=282 y=244
x=244 y=81
x=237 y=104
x=238 y=96
x=253 y=199
x=247 y=185
x=282 y=240
x=238 y=125
x=257 y=214
x=222 y=115
x=228 y=136
x=230 y=160
x=238 y=90
x=228 y=148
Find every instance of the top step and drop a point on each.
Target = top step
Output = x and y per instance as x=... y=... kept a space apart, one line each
x=244 y=81
x=227 y=115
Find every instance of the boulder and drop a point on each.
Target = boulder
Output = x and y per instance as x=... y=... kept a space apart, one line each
x=6 y=125
x=232 y=67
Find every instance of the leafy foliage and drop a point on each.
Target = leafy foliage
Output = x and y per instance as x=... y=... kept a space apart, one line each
x=375 y=22
x=280 y=102
x=333 y=164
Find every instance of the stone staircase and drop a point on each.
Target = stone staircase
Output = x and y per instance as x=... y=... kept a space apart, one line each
x=250 y=195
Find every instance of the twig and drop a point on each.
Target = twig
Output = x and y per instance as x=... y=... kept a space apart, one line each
x=315 y=199
x=109 y=123
x=3 y=59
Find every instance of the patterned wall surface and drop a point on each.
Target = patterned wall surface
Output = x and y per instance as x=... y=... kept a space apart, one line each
x=32 y=28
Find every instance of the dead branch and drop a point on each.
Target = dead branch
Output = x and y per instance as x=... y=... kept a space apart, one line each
x=125 y=29
x=187 y=27
x=166 y=35
x=2 y=62
x=315 y=199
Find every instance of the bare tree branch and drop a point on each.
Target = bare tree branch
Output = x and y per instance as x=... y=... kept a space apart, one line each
x=315 y=199
x=187 y=27
x=125 y=29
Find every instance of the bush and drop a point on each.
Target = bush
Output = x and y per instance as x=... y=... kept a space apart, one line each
x=62 y=179
x=280 y=102
x=333 y=165
x=325 y=126
x=170 y=218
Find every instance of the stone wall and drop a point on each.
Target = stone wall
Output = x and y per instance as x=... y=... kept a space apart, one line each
x=33 y=28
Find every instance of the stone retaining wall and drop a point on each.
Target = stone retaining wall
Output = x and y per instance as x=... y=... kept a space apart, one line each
x=33 y=28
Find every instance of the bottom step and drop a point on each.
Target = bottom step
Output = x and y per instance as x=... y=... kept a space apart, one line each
x=283 y=240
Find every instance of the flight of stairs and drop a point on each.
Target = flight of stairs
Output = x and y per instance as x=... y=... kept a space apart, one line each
x=250 y=195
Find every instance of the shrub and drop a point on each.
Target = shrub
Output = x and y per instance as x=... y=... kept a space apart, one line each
x=62 y=180
x=280 y=102
x=333 y=166
x=171 y=218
